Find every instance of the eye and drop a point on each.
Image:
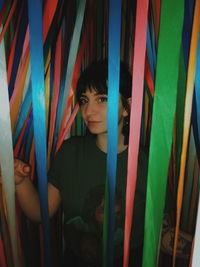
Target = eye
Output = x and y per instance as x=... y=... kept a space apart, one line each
x=102 y=99
x=82 y=101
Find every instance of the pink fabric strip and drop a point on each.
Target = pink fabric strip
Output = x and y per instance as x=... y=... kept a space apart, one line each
x=68 y=126
x=135 y=120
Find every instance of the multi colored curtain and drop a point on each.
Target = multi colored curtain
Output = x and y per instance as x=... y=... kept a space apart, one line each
x=44 y=45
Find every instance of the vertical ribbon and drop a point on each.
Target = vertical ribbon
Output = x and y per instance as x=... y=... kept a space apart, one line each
x=39 y=117
x=1 y=4
x=49 y=11
x=135 y=119
x=196 y=249
x=2 y=254
x=187 y=115
x=112 y=117
x=162 y=123
x=196 y=108
x=6 y=156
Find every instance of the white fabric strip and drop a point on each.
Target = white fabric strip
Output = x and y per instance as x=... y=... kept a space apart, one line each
x=196 y=254
x=6 y=155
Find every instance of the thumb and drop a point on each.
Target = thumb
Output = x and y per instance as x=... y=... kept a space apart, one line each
x=26 y=169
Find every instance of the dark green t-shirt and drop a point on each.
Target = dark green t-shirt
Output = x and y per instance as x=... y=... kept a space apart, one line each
x=79 y=172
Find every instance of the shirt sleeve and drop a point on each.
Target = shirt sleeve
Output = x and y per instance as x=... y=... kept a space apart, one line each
x=60 y=163
x=53 y=173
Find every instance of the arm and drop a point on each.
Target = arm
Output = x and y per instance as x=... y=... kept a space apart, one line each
x=29 y=199
x=28 y=196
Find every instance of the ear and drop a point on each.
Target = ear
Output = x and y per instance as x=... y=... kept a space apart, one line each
x=128 y=107
x=129 y=101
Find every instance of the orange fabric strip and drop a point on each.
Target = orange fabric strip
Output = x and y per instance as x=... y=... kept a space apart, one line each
x=187 y=117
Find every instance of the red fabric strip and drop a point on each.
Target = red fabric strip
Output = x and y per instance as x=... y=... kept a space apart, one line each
x=135 y=120
x=49 y=11
x=8 y=20
x=2 y=254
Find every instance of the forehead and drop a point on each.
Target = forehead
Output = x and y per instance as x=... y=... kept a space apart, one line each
x=89 y=92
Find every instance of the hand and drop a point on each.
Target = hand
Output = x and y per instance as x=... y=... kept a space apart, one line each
x=21 y=171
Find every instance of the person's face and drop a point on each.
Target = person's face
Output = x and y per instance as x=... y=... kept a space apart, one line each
x=93 y=107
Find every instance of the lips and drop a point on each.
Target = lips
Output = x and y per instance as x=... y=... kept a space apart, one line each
x=93 y=122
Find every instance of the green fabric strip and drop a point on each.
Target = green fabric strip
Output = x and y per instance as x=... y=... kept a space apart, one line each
x=105 y=226
x=162 y=123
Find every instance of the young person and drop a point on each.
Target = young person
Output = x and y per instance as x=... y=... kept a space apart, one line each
x=78 y=172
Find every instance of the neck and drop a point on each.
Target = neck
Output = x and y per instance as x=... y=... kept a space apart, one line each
x=102 y=142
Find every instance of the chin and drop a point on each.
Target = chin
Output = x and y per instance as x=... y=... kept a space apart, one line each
x=97 y=132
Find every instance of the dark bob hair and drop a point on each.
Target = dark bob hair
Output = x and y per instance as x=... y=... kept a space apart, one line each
x=95 y=77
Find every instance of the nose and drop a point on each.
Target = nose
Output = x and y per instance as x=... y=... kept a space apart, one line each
x=90 y=108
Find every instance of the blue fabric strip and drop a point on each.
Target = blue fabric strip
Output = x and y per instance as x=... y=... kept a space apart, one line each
x=39 y=117
x=150 y=51
x=187 y=28
x=113 y=101
x=196 y=101
x=153 y=46
x=1 y=4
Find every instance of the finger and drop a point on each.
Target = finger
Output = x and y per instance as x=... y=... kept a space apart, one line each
x=26 y=169
x=21 y=167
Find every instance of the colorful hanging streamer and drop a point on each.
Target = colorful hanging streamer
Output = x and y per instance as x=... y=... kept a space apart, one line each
x=187 y=116
x=6 y=157
x=58 y=21
x=163 y=118
x=39 y=116
x=112 y=118
x=135 y=119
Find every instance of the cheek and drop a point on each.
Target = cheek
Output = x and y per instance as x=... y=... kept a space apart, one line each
x=82 y=111
x=103 y=110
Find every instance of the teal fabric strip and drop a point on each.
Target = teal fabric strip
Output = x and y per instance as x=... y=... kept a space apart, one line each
x=39 y=116
x=162 y=123
x=113 y=101
x=197 y=89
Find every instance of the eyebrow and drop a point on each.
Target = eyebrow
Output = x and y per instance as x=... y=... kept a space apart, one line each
x=96 y=94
